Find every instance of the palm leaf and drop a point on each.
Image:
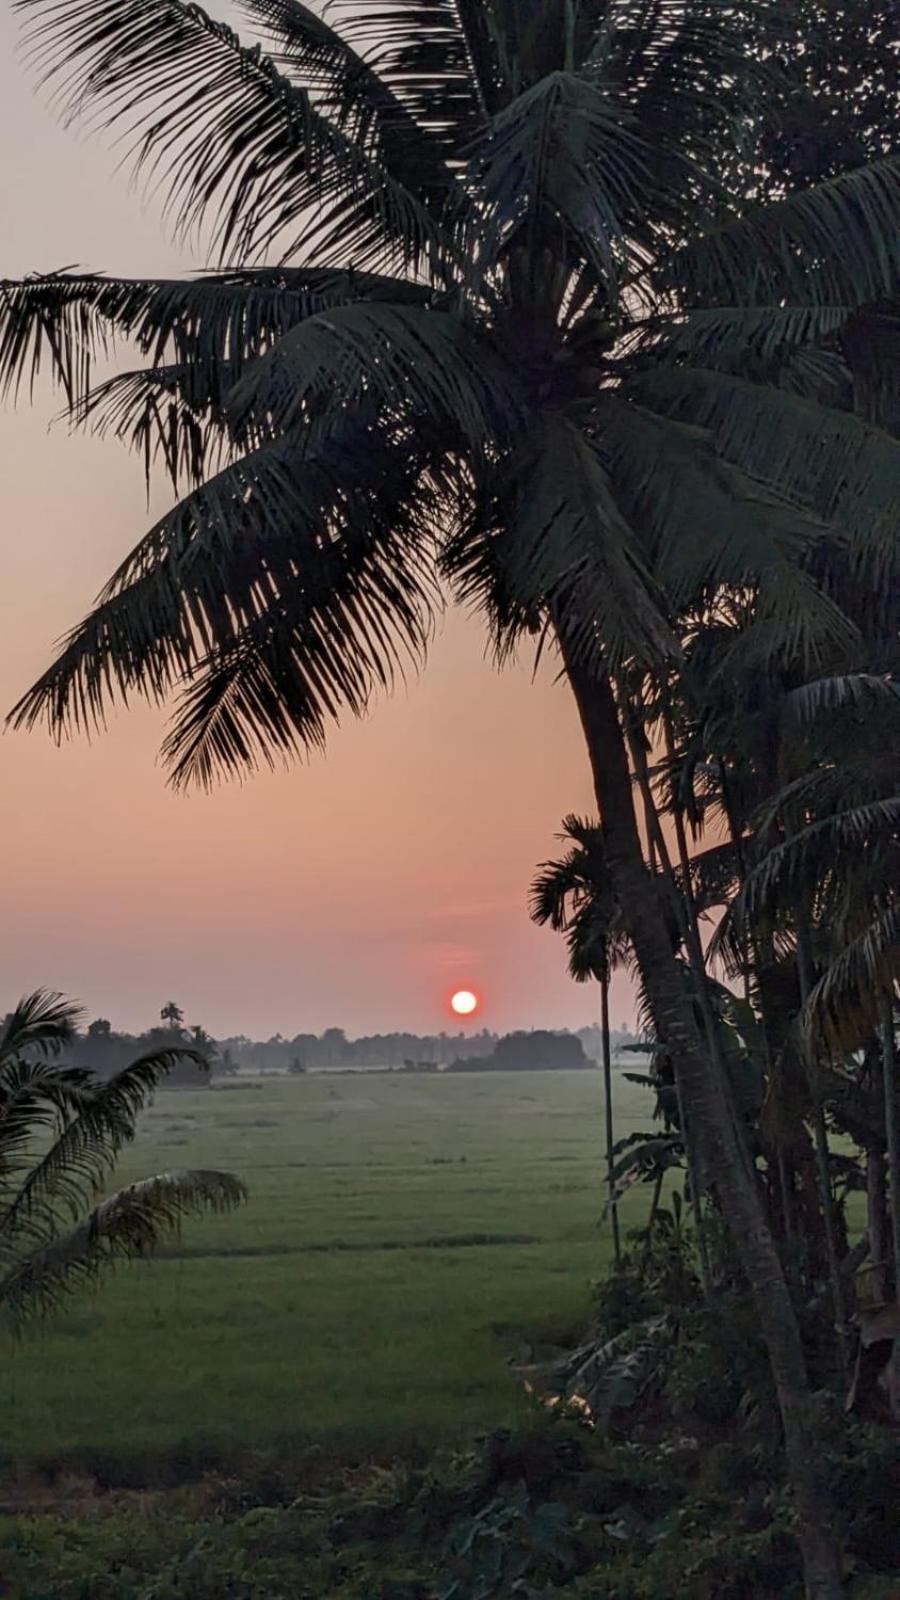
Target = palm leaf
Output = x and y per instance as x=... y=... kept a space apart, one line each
x=788 y=249
x=845 y=471
x=406 y=357
x=709 y=527
x=42 y=1022
x=711 y=336
x=437 y=57
x=798 y=859
x=560 y=152
x=219 y=128
x=171 y=415
x=845 y=1004
x=97 y=1122
x=823 y=696
x=128 y=1225
x=558 y=538
x=308 y=556
x=351 y=92
x=64 y=321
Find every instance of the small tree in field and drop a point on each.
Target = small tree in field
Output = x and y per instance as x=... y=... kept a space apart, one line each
x=61 y=1130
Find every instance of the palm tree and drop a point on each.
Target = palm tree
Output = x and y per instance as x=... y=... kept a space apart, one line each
x=574 y=895
x=827 y=881
x=172 y=1015
x=61 y=1131
x=529 y=324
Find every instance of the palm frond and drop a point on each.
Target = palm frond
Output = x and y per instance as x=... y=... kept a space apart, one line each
x=64 y=321
x=797 y=859
x=822 y=696
x=268 y=695
x=711 y=336
x=42 y=1022
x=409 y=359
x=37 y=1096
x=438 y=57
x=302 y=545
x=787 y=249
x=558 y=538
x=562 y=154
x=710 y=527
x=96 y=1123
x=128 y=1225
x=171 y=415
x=219 y=128
x=845 y=471
x=845 y=1004
x=352 y=93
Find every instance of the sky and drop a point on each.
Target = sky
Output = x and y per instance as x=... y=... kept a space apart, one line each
x=356 y=890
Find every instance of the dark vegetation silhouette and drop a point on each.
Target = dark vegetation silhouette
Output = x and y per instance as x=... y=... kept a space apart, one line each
x=590 y=312
x=105 y=1050
x=61 y=1131
x=537 y=1051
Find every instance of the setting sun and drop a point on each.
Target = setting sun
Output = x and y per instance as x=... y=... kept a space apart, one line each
x=464 y=1002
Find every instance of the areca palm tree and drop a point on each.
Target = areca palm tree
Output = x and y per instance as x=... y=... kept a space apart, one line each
x=61 y=1131
x=574 y=895
x=498 y=302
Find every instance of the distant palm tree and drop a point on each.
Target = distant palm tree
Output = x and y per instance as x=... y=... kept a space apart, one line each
x=61 y=1130
x=575 y=895
x=172 y=1015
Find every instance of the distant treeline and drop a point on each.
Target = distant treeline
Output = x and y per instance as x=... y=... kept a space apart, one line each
x=408 y=1051
x=538 y=1051
x=105 y=1050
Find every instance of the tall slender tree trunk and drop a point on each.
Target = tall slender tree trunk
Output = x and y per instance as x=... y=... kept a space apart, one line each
x=876 y=1220
x=686 y=920
x=706 y=1102
x=607 y=1090
x=823 y=1154
x=892 y=1129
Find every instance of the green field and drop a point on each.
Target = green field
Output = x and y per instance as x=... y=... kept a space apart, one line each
x=403 y=1236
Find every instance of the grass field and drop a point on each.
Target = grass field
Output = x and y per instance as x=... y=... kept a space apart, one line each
x=403 y=1236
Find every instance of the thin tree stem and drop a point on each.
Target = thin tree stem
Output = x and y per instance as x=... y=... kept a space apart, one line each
x=607 y=1090
x=654 y=1207
x=892 y=1128
x=823 y=1155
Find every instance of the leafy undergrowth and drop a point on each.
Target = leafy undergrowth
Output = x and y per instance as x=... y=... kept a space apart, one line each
x=676 y=1489
x=552 y=1511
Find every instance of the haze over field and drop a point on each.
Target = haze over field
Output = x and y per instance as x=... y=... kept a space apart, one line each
x=359 y=890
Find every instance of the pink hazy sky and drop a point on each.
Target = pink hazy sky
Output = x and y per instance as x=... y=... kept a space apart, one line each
x=356 y=890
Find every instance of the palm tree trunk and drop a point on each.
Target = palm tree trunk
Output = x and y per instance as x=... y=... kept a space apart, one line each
x=654 y=1207
x=607 y=1090
x=823 y=1155
x=892 y=1128
x=684 y=909
x=705 y=1102
x=876 y=1220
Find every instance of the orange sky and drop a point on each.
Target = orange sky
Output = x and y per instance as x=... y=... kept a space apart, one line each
x=351 y=891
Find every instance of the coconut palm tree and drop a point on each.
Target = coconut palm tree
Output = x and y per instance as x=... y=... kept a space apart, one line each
x=528 y=325
x=61 y=1131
